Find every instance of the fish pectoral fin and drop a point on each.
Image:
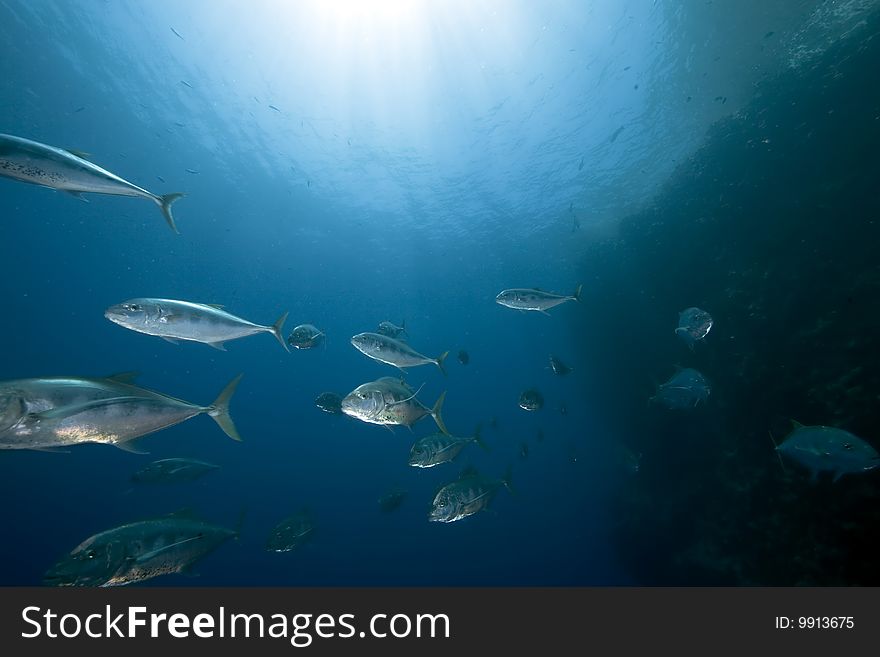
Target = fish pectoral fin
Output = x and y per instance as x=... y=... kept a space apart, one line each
x=171 y=340
x=130 y=447
x=146 y=556
x=217 y=345
x=80 y=154
x=76 y=195
x=51 y=450
x=124 y=377
x=62 y=412
x=544 y=312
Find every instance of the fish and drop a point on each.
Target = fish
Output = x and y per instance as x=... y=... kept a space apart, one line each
x=274 y=108
x=47 y=413
x=534 y=299
x=469 y=494
x=531 y=400
x=392 y=500
x=684 y=389
x=827 y=449
x=523 y=450
x=178 y=34
x=388 y=402
x=305 y=336
x=629 y=459
x=559 y=368
x=391 y=330
x=193 y=171
x=139 y=551
x=694 y=325
x=291 y=533
x=440 y=448
x=69 y=171
x=173 y=320
x=186 y=84
x=463 y=357
x=393 y=352
x=563 y=409
x=173 y=470
x=329 y=402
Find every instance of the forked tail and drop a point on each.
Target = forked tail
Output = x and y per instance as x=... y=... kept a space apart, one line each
x=219 y=410
x=165 y=202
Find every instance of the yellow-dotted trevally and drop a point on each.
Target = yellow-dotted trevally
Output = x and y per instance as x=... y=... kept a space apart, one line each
x=139 y=551
x=393 y=352
x=440 y=448
x=468 y=495
x=57 y=412
x=389 y=401
x=183 y=320
x=56 y=168
x=534 y=299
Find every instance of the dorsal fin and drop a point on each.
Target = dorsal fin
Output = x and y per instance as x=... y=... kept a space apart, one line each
x=218 y=306
x=124 y=377
x=795 y=425
x=80 y=154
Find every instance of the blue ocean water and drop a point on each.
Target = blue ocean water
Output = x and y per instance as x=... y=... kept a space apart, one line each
x=358 y=162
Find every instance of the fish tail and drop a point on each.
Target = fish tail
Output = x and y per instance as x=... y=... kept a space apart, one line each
x=165 y=202
x=219 y=410
x=577 y=293
x=439 y=362
x=478 y=438
x=507 y=480
x=435 y=413
x=276 y=331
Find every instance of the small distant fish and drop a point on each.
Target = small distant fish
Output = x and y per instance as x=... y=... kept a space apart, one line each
x=617 y=132
x=463 y=357
x=534 y=299
x=828 y=449
x=173 y=319
x=391 y=330
x=684 y=389
x=629 y=459
x=291 y=533
x=392 y=500
x=531 y=400
x=179 y=124
x=694 y=325
x=559 y=368
x=769 y=34
x=626 y=68
x=139 y=551
x=160 y=178
x=329 y=402
x=191 y=171
x=523 y=450
x=440 y=448
x=178 y=34
x=469 y=494
x=185 y=83
x=174 y=470
x=493 y=423
x=563 y=409
x=581 y=164
x=305 y=336
x=390 y=402
x=79 y=109
x=67 y=171
x=394 y=352
x=272 y=107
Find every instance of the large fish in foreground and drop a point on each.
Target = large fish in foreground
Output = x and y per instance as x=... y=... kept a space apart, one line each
x=56 y=168
x=469 y=494
x=393 y=352
x=389 y=401
x=534 y=299
x=57 y=412
x=174 y=320
x=138 y=551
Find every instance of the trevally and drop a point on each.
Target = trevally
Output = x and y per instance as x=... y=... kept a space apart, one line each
x=440 y=448
x=32 y=162
x=534 y=299
x=174 y=320
x=291 y=532
x=828 y=449
x=393 y=352
x=389 y=401
x=173 y=470
x=138 y=551
x=468 y=495
x=57 y=412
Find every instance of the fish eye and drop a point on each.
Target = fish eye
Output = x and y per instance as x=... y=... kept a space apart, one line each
x=91 y=554
x=847 y=446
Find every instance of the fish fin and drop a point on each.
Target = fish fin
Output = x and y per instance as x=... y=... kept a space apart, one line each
x=146 y=556
x=388 y=426
x=577 y=293
x=412 y=396
x=544 y=312
x=837 y=475
x=403 y=327
x=218 y=306
x=165 y=202
x=435 y=413
x=171 y=340
x=217 y=345
x=129 y=447
x=61 y=412
x=776 y=449
x=124 y=377
x=80 y=154
x=507 y=480
x=439 y=361
x=219 y=410
x=276 y=331
x=76 y=195
x=51 y=450
x=795 y=425
x=478 y=438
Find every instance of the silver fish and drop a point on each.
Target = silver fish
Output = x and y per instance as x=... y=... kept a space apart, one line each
x=393 y=352
x=684 y=389
x=173 y=470
x=305 y=336
x=174 y=320
x=534 y=299
x=67 y=171
x=694 y=325
x=291 y=532
x=138 y=551
x=49 y=413
x=389 y=402
x=440 y=448
x=391 y=330
x=828 y=449
x=469 y=494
